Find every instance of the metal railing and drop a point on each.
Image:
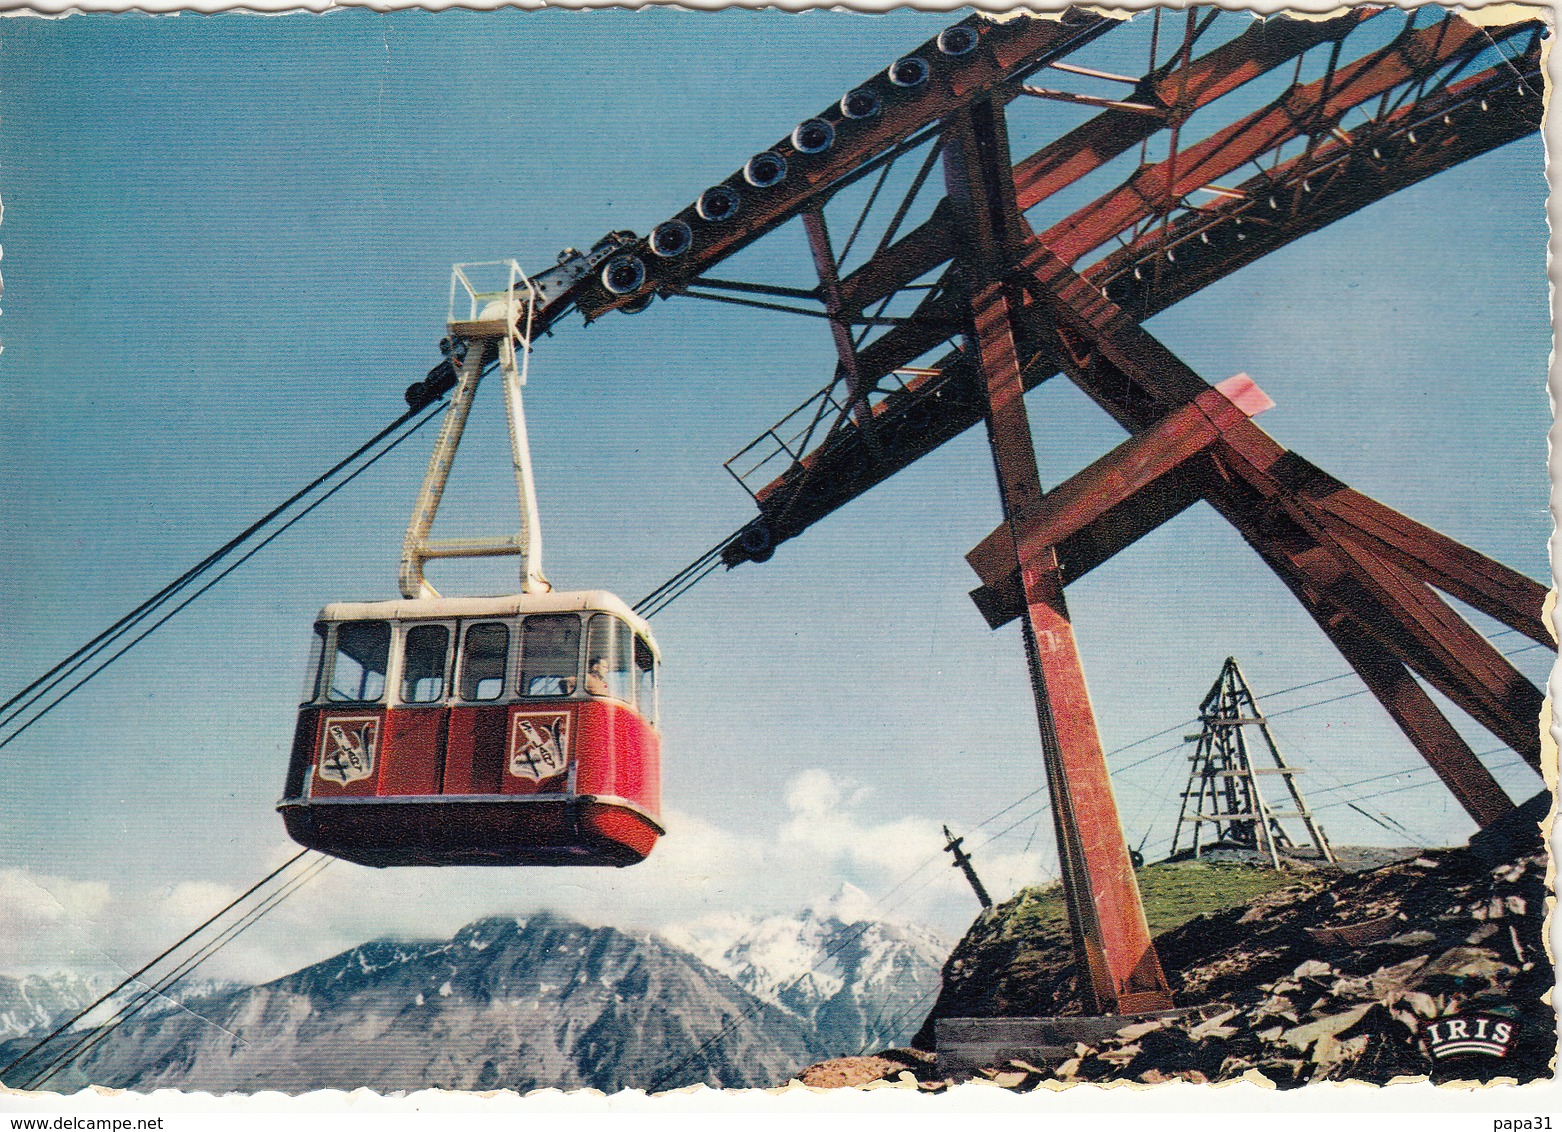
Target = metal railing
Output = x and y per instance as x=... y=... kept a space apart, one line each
x=783 y=445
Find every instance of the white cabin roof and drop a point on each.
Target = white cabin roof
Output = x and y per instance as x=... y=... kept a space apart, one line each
x=503 y=605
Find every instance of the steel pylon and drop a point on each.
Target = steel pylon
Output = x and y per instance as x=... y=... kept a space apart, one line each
x=1225 y=784
x=960 y=309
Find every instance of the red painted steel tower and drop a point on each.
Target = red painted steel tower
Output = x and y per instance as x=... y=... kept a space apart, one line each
x=949 y=321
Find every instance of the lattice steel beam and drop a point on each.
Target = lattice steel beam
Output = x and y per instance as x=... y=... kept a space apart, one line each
x=955 y=76
x=1314 y=108
x=1207 y=448
x=1179 y=90
x=1373 y=161
x=1314 y=189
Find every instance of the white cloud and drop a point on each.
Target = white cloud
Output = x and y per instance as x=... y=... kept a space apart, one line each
x=42 y=918
x=698 y=871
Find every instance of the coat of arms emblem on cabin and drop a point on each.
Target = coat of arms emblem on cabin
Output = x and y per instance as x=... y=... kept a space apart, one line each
x=347 y=751
x=539 y=744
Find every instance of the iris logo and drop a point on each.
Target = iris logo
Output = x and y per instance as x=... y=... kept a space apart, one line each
x=1485 y=1034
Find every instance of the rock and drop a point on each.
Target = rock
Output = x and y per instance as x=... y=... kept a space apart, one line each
x=1353 y=935
x=1408 y=939
x=1275 y=1006
x=846 y=1072
x=1451 y=932
x=1460 y=966
x=1215 y=1027
x=1139 y=1029
x=1122 y=1055
x=1331 y=1051
x=1300 y=1037
x=1421 y=1004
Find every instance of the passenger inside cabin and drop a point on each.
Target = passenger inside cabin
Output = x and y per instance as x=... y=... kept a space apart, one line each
x=596 y=677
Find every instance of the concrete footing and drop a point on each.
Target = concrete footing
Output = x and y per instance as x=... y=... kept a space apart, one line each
x=968 y=1044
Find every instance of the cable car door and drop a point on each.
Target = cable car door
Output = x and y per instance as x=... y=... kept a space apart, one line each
x=540 y=745
x=475 y=741
x=415 y=727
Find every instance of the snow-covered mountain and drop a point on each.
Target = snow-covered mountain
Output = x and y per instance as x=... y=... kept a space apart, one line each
x=520 y=1003
x=36 y=1004
x=33 y=1002
x=857 y=982
x=517 y=1003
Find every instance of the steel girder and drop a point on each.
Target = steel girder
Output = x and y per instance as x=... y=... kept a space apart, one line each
x=1158 y=189
x=1004 y=53
x=1364 y=572
x=1340 y=176
x=1311 y=110
x=1277 y=206
x=1179 y=90
x=1191 y=441
x=1359 y=568
x=1119 y=971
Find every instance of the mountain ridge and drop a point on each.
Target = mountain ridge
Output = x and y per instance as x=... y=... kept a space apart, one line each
x=854 y=980
x=508 y=1001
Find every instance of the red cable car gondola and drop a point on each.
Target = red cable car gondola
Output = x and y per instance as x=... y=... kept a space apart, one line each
x=515 y=730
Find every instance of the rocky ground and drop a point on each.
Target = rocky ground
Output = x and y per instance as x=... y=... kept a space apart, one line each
x=1016 y=959
x=1329 y=978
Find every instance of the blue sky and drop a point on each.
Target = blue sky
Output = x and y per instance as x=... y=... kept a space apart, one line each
x=226 y=251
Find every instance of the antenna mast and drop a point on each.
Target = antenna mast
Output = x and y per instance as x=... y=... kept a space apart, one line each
x=963 y=863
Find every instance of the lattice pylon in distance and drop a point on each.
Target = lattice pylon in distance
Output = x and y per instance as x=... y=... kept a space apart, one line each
x=1225 y=783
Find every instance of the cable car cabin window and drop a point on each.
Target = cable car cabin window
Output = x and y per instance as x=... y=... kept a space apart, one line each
x=423 y=664
x=550 y=654
x=609 y=658
x=359 y=662
x=312 y=671
x=483 y=661
x=645 y=679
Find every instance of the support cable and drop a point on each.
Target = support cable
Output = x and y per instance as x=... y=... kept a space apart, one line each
x=867 y=208
x=133 y=976
x=684 y=580
x=1509 y=765
x=1393 y=790
x=79 y=659
x=895 y=1022
x=151 y=994
x=212 y=559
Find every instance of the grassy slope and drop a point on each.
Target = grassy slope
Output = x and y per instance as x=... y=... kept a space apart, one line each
x=1017 y=960
x=1172 y=893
